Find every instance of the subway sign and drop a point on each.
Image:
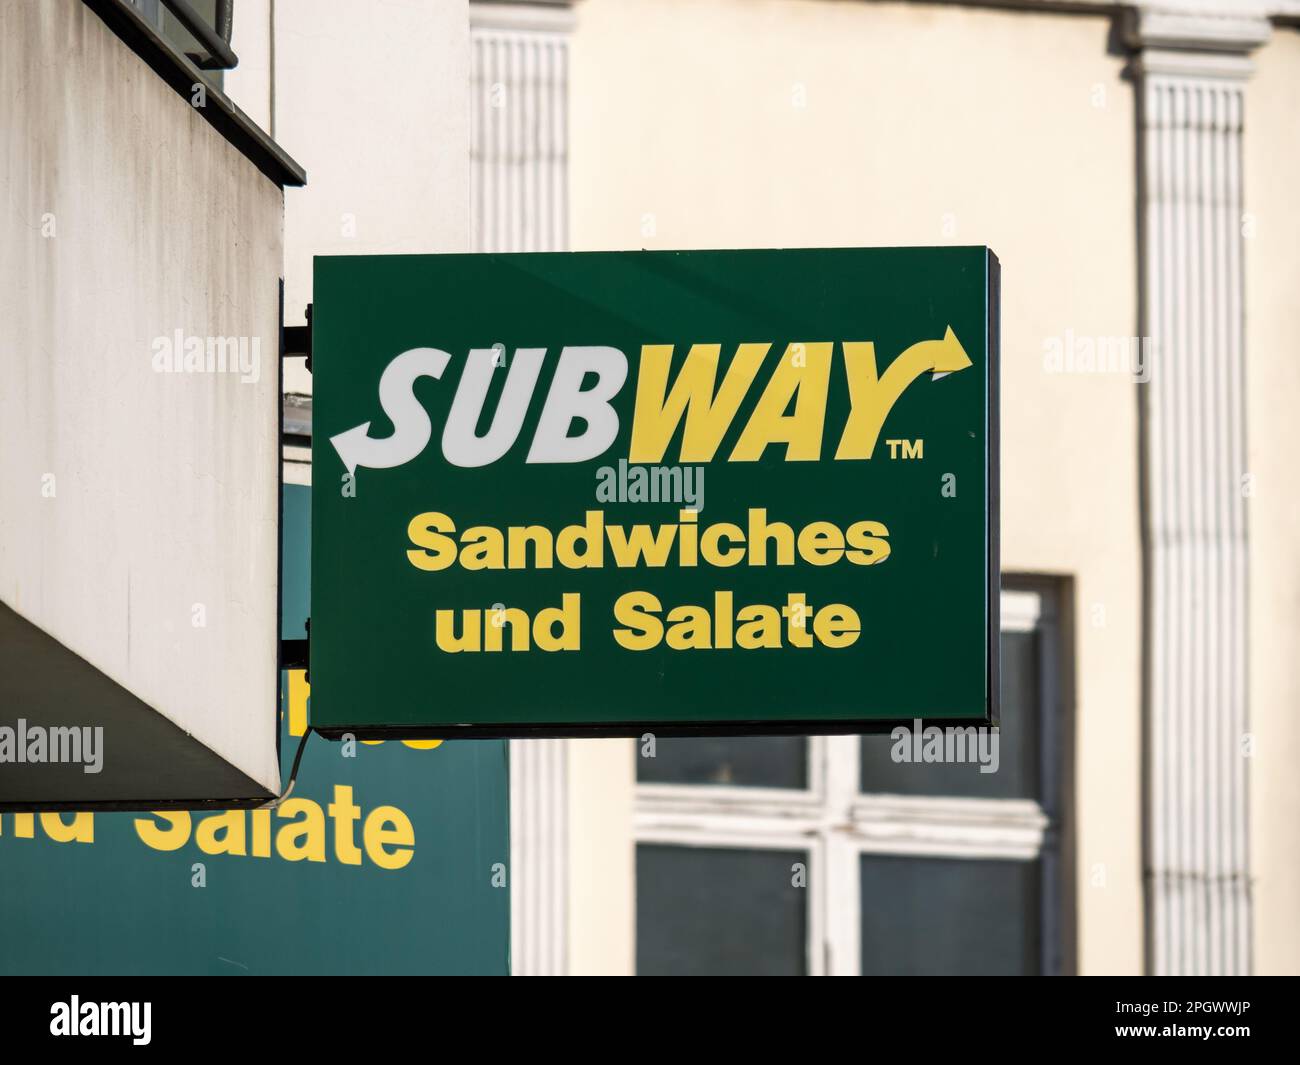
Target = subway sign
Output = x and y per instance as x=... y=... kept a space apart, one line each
x=609 y=493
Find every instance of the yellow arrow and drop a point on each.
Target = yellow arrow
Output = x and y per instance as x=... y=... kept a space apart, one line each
x=873 y=397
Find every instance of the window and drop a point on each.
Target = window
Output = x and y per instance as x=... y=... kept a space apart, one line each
x=826 y=855
x=214 y=14
x=731 y=910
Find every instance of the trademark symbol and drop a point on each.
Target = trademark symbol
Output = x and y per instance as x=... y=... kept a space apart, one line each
x=906 y=449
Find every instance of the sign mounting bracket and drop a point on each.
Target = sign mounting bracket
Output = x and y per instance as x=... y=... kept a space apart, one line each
x=295 y=341
x=296 y=654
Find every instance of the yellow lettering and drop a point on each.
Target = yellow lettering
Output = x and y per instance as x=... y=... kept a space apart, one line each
x=304 y=838
x=471 y=623
x=82 y=829
x=591 y=536
x=498 y=620
x=543 y=546
x=867 y=538
x=483 y=548
x=655 y=418
x=689 y=628
x=652 y=545
x=436 y=550
x=837 y=625
x=345 y=813
x=872 y=397
x=165 y=839
x=568 y=617
x=759 y=534
x=637 y=610
x=760 y=627
x=261 y=833
x=821 y=543
x=797 y=613
x=804 y=380
x=231 y=838
x=386 y=827
x=710 y=544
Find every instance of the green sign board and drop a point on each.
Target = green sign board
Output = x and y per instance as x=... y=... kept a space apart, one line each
x=387 y=858
x=722 y=491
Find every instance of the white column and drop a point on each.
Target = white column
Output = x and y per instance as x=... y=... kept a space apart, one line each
x=539 y=856
x=1192 y=70
x=519 y=202
x=519 y=123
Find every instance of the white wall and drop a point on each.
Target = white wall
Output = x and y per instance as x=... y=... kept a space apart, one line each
x=249 y=83
x=123 y=218
x=373 y=101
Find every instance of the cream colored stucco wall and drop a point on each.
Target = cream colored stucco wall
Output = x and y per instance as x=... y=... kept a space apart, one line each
x=750 y=123
x=373 y=101
x=602 y=871
x=249 y=83
x=1272 y=227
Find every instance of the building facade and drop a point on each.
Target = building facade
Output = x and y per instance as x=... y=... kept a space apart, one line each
x=1134 y=168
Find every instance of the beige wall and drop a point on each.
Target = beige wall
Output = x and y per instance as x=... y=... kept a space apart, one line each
x=1272 y=162
x=249 y=84
x=744 y=123
x=602 y=871
x=374 y=103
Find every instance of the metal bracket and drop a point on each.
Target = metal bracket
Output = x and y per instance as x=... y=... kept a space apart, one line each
x=296 y=654
x=295 y=341
x=214 y=37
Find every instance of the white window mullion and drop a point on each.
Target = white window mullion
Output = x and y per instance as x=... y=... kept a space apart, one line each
x=949 y=826
x=839 y=887
x=819 y=907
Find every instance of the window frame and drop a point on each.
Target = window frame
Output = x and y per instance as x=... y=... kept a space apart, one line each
x=836 y=825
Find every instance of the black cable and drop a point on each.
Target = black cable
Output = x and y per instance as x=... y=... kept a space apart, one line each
x=293 y=773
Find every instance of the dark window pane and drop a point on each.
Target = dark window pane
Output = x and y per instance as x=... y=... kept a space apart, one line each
x=1017 y=775
x=150 y=9
x=949 y=916
x=719 y=912
x=756 y=762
